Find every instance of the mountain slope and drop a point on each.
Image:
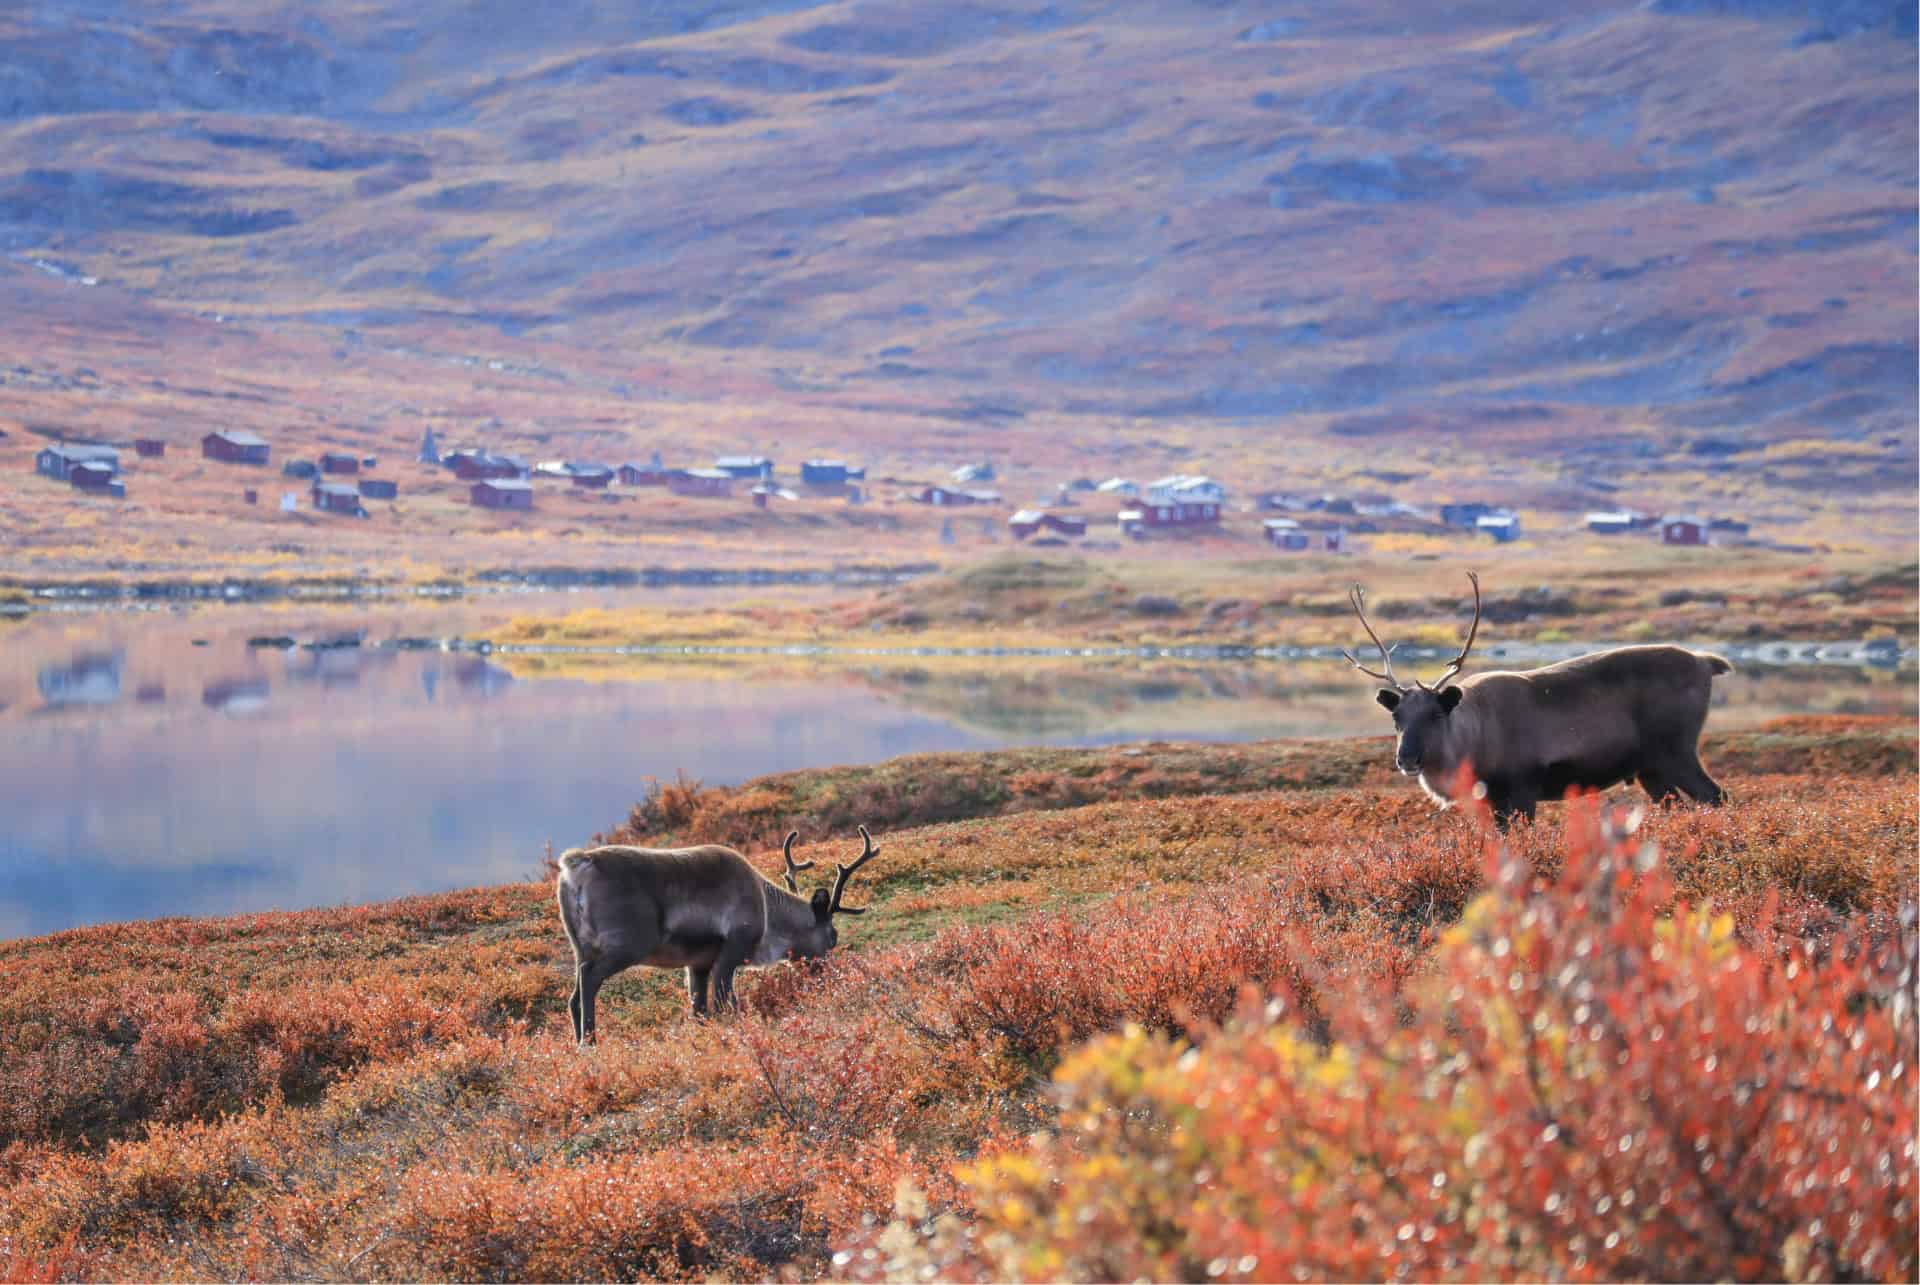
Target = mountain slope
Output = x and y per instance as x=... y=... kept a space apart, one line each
x=1635 y=229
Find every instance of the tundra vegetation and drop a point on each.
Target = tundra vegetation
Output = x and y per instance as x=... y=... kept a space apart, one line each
x=1121 y=1035
x=1599 y=592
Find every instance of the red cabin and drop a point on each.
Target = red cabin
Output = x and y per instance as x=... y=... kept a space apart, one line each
x=337 y=497
x=502 y=493
x=1683 y=531
x=149 y=448
x=1033 y=521
x=701 y=481
x=234 y=446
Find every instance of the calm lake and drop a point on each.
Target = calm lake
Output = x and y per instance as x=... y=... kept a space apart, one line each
x=154 y=764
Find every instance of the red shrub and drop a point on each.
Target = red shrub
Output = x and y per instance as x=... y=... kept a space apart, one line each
x=1584 y=1088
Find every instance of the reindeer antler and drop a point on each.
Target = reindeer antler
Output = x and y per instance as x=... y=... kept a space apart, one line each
x=1453 y=666
x=793 y=867
x=1358 y=597
x=846 y=872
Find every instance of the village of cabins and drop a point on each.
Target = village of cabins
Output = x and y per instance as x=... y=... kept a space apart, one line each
x=1180 y=502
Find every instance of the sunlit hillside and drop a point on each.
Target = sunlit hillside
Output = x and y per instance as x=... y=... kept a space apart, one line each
x=1658 y=255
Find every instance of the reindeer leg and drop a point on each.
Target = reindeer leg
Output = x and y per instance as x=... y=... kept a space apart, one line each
x=1508 y=802
x=573 y=1001
x=1674 y=778
x=1701 y=787
x=734 y=951
x=1659 y=787
x=593 y=974
x=697 y=989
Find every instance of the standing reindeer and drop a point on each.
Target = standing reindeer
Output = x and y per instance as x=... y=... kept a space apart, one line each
x=1630 y=713
x=703 y=909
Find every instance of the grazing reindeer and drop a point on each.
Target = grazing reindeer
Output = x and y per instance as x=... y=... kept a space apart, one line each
x=1631 y=713
x=703 y=909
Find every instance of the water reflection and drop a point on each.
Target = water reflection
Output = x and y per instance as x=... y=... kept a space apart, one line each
x=236 y=695
x=320 y=776
x=88 y=678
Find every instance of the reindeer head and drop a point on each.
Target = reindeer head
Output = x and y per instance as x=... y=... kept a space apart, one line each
x=1419 y=709
x=823 y=936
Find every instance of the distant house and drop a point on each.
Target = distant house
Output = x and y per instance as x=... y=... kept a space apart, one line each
x=701 y=482
x=1503 y=527
x=379 y=488
x=830 y=472
x=1682 y=529
x=1285 y=533
x=949 y=497
x=1181 y=500
x=1080 y=484
x=149 y=448
x=1289 y=535
x=1028 y=522
x=766 y=492
x=640 y=475
x=1118 y=486
x=594 y=476
x=338 y=497
x=58 y=462
x=91 y=475
x=1468 y=514
x=1182 y=488
x=473 y=465
x=745 y=465
x=300 y=468
x=502 y=493
x=1726 y=526
x=339 y=462
x=234 y=446
x=1610 y=523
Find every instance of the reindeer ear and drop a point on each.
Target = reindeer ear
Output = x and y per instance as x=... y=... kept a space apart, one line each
x=822 y=905
x=1387 y=697
x=1449 y=697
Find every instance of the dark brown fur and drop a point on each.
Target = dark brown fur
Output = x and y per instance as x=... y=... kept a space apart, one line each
x=1632 y=713
x=1629 y=714
x=703 y=909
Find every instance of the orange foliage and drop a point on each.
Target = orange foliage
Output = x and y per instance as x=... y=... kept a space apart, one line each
x=389 y=1092
x=1583 y=1087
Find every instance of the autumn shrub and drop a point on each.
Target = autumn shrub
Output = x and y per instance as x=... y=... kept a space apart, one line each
x=688 y=1212
x=391 y=1092
x=1584 y=1085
